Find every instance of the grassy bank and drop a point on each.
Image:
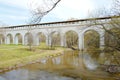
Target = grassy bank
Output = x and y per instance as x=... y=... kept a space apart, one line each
x=13 y=55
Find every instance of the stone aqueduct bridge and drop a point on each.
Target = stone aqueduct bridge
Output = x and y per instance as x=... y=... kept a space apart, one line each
x=79 y=26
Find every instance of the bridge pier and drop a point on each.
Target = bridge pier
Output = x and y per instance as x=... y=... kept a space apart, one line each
x=80 y=42
x=13 y=38
x=5 y=40
x=8 y=40
x=23 y=40
x=50 y=40
x=35 y=40
x=16 y=40
x=63 y=40
x=102 y=40
x=47 y=42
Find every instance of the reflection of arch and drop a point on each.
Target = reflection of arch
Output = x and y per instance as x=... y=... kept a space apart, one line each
x=91 y=39
x=18 y=38
x=71 y=38
x=9 y=39
x=40 y=37
x=2 y=39
x=28 y=39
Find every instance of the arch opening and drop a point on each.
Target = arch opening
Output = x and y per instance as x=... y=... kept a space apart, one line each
x=55 y=39
x=71 y=39
x=41 y=38
x=28 y=39
x=18 y=38
x=112 y=39
x=91 y=39
x=2 y=39
x=9 y=39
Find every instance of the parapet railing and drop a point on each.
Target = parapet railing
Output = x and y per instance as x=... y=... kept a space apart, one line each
x=81 y=22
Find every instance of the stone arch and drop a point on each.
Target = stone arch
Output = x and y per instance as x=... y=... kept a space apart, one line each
x=9 y=39
x=28 y=39
x=71 y=38
x=93 y=28
x=55 y=38
x=112 y=37
x=91 y=41
x=67 y=30
x=2 y=39
x=40 y=37
x=18 y=38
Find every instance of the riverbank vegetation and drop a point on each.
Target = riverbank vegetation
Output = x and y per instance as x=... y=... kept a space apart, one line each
x=111 y=51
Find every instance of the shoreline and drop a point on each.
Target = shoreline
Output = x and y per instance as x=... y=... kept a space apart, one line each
x=20 y=62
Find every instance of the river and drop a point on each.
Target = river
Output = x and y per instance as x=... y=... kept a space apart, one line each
x=72 y=65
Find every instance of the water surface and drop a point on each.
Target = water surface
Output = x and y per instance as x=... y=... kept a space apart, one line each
x=72 y=65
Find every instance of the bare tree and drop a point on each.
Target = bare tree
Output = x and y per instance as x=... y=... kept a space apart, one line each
x=29 y=37
x=49 y=32
x=38 y=12
x=116 y=7
x=113 y=31
x=55 y=38
x=72 y=39
x=43 y=9
x=49 y=36
x=91 y=42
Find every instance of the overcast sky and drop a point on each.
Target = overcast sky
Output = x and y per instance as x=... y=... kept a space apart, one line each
x=16 y=12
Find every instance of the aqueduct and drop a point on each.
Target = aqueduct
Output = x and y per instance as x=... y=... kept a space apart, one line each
x=9 y=35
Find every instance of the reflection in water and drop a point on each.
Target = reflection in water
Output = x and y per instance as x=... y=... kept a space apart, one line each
x=89 y=62
x=43 y=61
x=22 y=74
x=2 y=78
x=69 y=66
x=56 y=60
